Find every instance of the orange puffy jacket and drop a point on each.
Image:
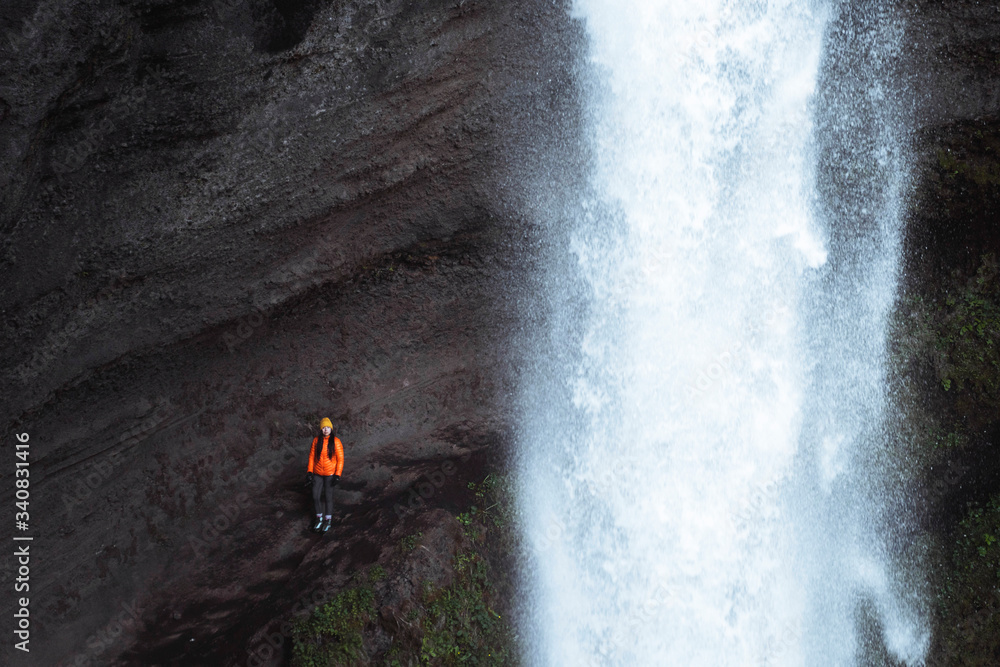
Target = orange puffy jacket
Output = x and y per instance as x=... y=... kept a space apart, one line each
x=326 y=465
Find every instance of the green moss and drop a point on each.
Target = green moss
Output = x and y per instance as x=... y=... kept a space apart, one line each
x=409 y=543
x=956 y=333
x=944 y=439
x=983 y=172
x=460 y=627
x=948 y=362
x=949 y=164
x=333 y=633
x=457 y=624
x=494 y=492
x=969 y=601
x=461 y=624
x=968 y=336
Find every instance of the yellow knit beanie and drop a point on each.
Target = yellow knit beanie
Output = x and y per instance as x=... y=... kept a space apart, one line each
x=326 y=422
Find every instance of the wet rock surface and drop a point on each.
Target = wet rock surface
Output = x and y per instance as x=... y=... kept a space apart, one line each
x=221 y=222
x=947 y=324
x=953 y=221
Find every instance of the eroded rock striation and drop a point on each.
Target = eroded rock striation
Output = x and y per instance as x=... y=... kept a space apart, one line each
x=223 y=221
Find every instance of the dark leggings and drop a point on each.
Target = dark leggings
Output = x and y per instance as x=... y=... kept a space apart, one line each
x=323 y=484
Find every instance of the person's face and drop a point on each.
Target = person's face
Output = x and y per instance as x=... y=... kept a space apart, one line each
x=326 y=430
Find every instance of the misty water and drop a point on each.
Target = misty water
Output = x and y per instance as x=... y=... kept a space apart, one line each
x=706 y=441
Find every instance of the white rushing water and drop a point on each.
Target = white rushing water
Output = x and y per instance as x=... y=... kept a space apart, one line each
x=699 y=449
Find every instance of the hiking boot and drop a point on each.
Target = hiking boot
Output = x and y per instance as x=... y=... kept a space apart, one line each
x=326 y=525
x=317 y=525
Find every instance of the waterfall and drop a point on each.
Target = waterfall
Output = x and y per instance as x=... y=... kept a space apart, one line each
x=704 y=426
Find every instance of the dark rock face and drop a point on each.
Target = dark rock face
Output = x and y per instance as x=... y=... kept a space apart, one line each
x=954 y=58
x=221 y=222
x=953 y=55
x=953 y=62
x=947 y=319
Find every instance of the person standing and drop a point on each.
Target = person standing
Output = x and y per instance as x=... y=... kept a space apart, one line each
x=326 y=462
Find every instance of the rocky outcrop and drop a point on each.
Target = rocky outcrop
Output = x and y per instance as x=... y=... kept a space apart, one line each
x=951 y=228
x=221 y=222
x=948 y=322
